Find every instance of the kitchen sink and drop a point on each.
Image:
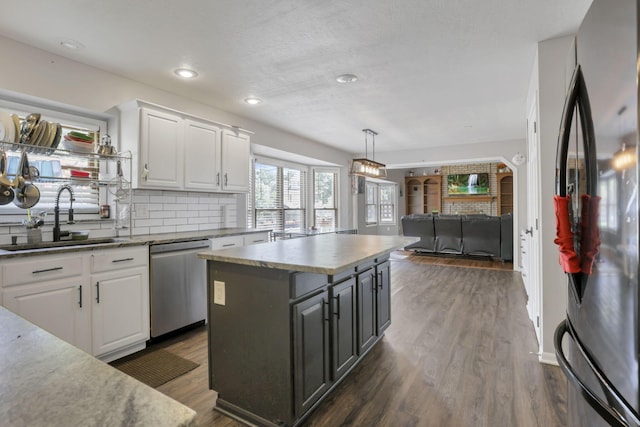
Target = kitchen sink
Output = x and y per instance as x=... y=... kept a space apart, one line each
x=61 y=244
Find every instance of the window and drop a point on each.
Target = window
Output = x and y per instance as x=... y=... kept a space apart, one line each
x=387 y=203
x=608 y=190
x=372 y=203
x=325 y=205
x=380 y=203
x=54 y=170
x=279 y=197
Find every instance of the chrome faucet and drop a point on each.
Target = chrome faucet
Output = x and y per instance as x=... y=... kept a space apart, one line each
x=56 y=213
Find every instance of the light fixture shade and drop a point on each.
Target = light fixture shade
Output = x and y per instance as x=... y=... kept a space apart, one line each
x=368 y=168
x=625 y=158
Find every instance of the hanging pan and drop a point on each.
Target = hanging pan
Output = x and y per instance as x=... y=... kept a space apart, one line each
x=6 y=192
x=26 y=193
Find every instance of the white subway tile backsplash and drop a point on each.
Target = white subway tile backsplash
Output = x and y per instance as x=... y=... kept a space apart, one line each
x=171 y=211
x=162 y=214
x=190 y=227
x=173 y=206
x=176 y=221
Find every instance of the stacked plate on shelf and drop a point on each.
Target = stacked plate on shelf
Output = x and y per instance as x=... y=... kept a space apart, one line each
x=41 y=136
x=9 y=127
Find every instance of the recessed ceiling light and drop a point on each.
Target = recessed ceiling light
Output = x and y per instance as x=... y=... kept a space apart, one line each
x=71 y=44
x=186 y=73
x=253 y=101
x=346 y=78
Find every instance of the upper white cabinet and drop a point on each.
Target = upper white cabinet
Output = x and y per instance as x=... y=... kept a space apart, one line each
x=235 y=161
x=161 y=142
x=173 y=150
x=202 y=156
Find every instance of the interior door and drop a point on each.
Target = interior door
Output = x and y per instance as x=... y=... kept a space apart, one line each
x=532 y=282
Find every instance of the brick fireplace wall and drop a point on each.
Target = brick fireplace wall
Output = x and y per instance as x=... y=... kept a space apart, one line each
x=471 y=204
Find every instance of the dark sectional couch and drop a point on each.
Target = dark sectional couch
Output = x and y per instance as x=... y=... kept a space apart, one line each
x=461 y=234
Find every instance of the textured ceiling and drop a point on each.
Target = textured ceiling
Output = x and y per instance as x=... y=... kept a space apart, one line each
x=431 y=72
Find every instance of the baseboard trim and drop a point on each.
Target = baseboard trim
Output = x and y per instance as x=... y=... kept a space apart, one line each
x=548 y=359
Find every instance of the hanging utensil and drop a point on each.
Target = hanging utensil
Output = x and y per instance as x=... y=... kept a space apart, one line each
x=26 y=193
x=6 y=192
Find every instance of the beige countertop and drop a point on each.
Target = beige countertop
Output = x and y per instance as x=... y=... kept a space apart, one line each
x=47 y=382
x=324 y=254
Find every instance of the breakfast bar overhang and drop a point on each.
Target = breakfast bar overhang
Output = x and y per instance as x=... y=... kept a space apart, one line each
x=289 y=319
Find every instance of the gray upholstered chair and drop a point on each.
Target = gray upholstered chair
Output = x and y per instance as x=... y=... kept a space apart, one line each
x=448 y=229
x=481 y=235
x=419 y=225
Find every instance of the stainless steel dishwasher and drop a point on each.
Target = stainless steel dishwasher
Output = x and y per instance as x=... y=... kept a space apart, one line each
x=178 y=282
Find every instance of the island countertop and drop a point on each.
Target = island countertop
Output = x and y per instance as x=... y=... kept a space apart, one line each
x=48 y=382
x=324 y=254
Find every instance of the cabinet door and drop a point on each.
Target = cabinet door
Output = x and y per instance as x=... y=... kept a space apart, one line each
x=59 y=307
x=311 y=351
x=120 y=309
x=201 y=156
x=161 y=147
x=366 y=309
x=235 y=161
x=343 y=327
x=383 y=297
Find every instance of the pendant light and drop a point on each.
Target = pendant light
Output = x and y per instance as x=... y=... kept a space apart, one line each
x=365 y=166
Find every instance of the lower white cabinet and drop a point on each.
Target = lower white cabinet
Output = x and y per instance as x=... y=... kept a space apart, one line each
x=120 y=309
x=60 y=307
x=240 y=240
x=96 y=300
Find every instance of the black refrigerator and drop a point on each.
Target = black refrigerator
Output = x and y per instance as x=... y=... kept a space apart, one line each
x=596 y=205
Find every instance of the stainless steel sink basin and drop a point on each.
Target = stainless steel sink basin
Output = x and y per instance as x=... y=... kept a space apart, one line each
x=62 y=244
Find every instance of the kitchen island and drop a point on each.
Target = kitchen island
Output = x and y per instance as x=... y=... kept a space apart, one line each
x=289 y=319
x=48 y=382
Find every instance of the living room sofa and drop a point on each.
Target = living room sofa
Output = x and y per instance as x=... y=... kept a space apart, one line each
x=478 y=235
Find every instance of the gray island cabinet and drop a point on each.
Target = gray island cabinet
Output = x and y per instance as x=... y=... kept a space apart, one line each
x=288 y=320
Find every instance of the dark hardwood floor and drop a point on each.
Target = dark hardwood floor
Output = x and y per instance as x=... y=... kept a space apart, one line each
x=459 y=352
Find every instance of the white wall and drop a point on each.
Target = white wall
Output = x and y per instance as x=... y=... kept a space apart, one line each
x=551 y=87
x=43 y=75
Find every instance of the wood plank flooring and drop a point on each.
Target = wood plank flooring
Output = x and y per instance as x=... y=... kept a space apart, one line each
x=459 y=352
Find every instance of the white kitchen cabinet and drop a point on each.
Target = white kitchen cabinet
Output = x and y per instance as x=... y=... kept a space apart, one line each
x=53 y=293
x=202 y=156
x=226 y=242
x=174 y=150
x=160 y=159
x=120 y=301
x=96 y=300
x=255 y=238
x=235 y=161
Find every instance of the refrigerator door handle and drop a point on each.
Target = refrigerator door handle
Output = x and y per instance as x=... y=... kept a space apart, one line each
x=605 y=410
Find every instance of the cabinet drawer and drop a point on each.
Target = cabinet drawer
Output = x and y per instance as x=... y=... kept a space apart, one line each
x=255 y=238
x=117 y=259
x=303 y=283
x=37 y=269
x=226 y=242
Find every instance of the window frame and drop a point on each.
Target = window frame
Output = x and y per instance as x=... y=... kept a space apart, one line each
x=336 y=195
x=280 y=165
x=72 y=118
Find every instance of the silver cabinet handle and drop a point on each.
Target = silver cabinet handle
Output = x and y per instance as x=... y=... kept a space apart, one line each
x=226 y=179
x=80 y=292
x=337 y=298
x=228 y=244
x=98 y=292
x=122 y=260
x=46 y=270
x=218 y=178
x=145 y=172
